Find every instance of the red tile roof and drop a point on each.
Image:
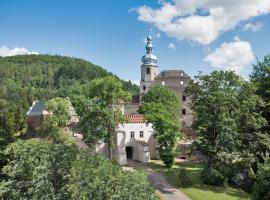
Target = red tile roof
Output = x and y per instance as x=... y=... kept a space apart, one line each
x=135 y=118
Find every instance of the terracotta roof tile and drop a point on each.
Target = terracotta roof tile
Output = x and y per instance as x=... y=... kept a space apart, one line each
x=135 y=118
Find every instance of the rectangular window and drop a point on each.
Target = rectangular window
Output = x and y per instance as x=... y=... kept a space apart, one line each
x=183 y=111
x=181 y=82
x=182 y=74
x=132 y=134
x=147 y=70
x=163 y=83
x=141 y=134
x=184 y=98
x=144 y=88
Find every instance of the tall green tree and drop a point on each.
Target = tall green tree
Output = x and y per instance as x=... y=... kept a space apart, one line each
x=102 y=110
x=261 y=78
x=161 y=108
x=228 y=120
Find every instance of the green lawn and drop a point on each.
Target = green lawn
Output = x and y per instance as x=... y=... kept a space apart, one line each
x=198 y=191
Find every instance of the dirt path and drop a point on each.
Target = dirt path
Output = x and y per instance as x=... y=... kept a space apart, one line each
x=166 y=191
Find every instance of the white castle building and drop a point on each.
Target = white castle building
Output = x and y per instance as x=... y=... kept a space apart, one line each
x=135 y=139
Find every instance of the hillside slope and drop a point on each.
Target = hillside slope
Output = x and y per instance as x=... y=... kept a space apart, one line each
x=52 y=72
x=26 y=78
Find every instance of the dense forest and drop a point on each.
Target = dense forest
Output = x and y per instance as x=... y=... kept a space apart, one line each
x=26 y=78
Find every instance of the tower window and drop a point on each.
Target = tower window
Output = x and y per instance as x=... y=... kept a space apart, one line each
x=183 y=111
x=163 y=83
x=141 y=134
x=181 y=82
x=132 y=134
x=147 y=70
x=184 y=98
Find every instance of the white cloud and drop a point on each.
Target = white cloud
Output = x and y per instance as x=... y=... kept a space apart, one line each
x=235 y=56
x=158 y=35
x=5 y=51
x=201 y=21
x=171 y=46
x=253 y=26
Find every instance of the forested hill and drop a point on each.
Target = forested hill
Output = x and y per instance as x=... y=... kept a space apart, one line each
x=56 y=74
x=26 y=78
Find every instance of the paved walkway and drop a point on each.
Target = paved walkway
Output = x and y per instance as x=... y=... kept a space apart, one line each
x=166 y=191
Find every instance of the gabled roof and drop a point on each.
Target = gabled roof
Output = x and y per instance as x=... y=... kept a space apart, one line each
x=36 y=109
x=135 y=118
x=172 y=74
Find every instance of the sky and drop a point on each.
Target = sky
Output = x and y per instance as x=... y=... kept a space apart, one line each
x=193 y=35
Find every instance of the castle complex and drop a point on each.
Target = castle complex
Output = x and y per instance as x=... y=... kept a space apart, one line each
x=135 y=138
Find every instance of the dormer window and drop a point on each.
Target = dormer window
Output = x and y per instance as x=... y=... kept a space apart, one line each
x=147 y=70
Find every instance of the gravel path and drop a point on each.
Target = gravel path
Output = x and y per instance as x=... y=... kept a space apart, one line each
x=166 y=191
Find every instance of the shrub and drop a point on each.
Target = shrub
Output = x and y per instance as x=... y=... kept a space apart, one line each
x=211 y=176
x=261 y=189
x=184 y=178
x=167 y=156
x=241 y=179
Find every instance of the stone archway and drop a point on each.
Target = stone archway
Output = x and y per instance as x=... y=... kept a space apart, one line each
x=129 y=152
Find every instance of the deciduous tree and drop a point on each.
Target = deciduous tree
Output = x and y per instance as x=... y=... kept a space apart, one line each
x=161 y=108
x=102 y=110
x=228 y=120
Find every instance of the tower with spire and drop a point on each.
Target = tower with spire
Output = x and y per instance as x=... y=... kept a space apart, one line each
x=148 y=67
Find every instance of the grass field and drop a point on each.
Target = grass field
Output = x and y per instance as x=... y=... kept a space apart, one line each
x=198 y=191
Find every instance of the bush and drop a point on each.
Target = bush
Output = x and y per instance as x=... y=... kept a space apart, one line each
x=167 y=156
x=211 y=176
x=242 y=180
x=184 y=178
x=261 y=189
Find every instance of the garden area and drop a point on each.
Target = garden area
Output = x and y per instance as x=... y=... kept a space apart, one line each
x=197 y=190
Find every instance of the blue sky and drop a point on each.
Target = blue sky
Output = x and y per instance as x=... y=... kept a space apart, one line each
x=191 y=36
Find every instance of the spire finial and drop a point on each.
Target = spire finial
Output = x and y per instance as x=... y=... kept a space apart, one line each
x=149 y=46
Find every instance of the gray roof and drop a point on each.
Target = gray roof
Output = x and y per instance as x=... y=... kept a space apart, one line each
x=37 y=108
x=172 y=74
